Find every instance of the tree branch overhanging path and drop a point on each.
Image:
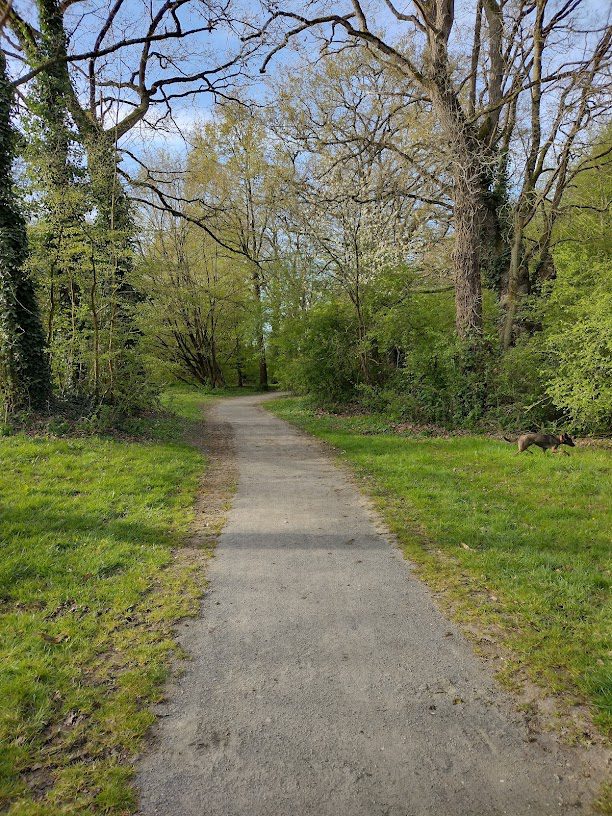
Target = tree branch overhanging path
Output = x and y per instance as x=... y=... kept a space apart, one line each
x=88 y=80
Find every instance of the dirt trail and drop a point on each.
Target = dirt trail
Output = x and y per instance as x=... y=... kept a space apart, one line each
x=323 y=680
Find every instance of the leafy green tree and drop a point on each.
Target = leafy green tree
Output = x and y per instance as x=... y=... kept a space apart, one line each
x=578 y=336
x=195 y=317
x=231 y=173
x=577 y=305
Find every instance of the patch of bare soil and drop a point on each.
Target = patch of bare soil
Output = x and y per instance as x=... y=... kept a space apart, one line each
x=218 y=483
x=213 y=501
x=217 y=486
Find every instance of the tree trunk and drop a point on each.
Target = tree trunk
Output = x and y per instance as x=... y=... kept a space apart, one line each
x=64 y=205
x=470 y=195
x=518 y=279
x=26 y=378
x=469 y=216
x=495 y=248
x=239 y=372
x=114 y=235
x=362 y=334
x=218 y=380
x=263 y=365
x=261 y=343
x=53 y=89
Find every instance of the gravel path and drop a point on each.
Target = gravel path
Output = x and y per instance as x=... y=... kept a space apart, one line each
x=323 y=680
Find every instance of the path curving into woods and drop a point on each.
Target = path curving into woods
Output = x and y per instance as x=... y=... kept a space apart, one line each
x=323 y=680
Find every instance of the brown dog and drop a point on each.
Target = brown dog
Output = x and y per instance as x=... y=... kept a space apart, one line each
x=544 y=441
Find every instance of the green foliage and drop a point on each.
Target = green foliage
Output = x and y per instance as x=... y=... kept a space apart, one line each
x=446 y=383
x=575 y=308
x=81 y=235
x=578 y=336
x=559 y=376
x=197 y=321
x=371 y=339
x=83 y=269
x=424 y=373
x=520 y=543
x=517 y=399
x=316 y=353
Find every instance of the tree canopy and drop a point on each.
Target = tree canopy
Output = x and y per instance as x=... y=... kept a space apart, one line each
x=405 y=209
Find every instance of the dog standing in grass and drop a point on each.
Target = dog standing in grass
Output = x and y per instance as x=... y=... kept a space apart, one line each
x=544 y=441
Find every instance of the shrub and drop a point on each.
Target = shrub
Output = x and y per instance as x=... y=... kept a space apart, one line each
x=578 y=336
x=316 y=354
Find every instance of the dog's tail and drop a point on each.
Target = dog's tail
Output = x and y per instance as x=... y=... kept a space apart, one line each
x=512 y=441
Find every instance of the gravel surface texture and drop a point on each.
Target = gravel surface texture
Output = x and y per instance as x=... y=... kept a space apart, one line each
x=323 y=680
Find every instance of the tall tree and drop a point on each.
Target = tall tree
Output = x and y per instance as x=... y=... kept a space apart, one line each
x=59 y=200
x=197 y=296
x=94 y=88
x=230 y=171
x=357 y=192
x=474 y=93
x=26 y=380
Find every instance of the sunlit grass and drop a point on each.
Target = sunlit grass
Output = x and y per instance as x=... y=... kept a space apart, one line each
x=89 y=590
x=518 y=542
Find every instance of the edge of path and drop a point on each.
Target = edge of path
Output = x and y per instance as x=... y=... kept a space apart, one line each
x=219 y=479
x=542 y=712
x=213 y=500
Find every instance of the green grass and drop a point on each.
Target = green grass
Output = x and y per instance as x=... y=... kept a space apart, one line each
x=517 y=544
x=89 y=591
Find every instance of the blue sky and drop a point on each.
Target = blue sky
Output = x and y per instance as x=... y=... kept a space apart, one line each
x=208 y=49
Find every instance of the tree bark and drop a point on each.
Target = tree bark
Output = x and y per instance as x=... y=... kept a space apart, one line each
x=261 y=343
x=469 y=219
x=470 y=180
x=26 y=378
x=470 y=209
x=518 y=279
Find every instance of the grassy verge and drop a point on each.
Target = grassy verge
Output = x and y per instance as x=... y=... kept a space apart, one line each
x=518 y=545
x=89 y=593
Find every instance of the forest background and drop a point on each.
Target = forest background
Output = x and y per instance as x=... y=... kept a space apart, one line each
x=398 y=209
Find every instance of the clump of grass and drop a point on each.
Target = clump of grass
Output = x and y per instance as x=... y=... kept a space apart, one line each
x=89 y=591
x=519 y=543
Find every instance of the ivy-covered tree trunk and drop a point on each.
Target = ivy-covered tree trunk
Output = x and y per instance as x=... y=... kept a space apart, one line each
x=58 y=242
x=89 y=264
x=26 y=379
x=52 y=91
